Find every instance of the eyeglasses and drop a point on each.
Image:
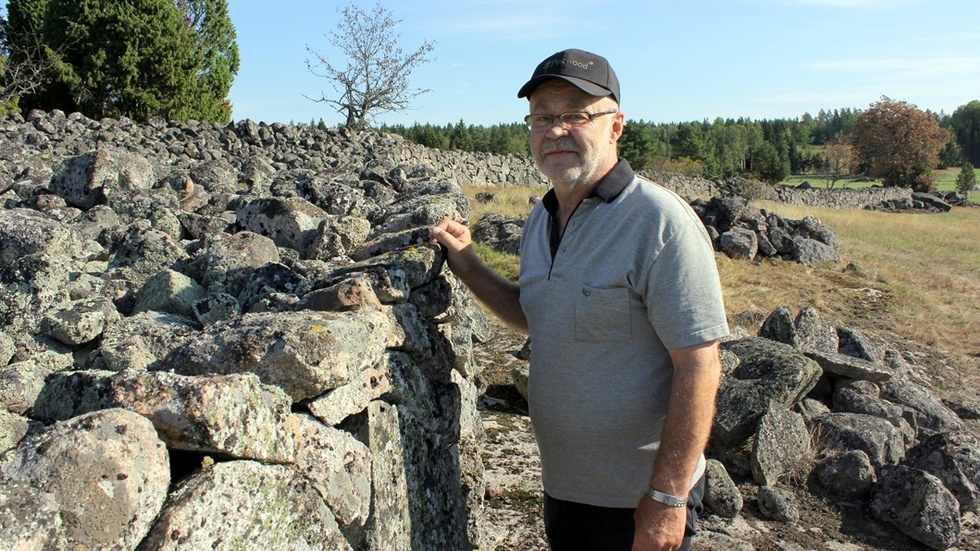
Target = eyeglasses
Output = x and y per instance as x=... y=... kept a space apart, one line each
x=578 y=118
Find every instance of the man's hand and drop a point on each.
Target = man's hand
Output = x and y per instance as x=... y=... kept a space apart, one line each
x=658 y=527
x=500 y=295
x=456 y=238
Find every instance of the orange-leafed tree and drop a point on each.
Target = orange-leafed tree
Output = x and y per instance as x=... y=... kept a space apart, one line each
x=899 y=143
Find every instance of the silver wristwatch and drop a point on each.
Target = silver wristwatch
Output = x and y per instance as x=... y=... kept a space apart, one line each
x=666 y=499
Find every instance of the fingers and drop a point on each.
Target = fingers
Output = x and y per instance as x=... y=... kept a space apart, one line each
x=451 y=234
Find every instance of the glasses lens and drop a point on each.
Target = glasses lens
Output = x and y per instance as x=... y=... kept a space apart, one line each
x=575 y=119
x=539 y=121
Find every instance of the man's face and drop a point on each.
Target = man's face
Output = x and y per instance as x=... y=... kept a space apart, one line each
x=574 y=156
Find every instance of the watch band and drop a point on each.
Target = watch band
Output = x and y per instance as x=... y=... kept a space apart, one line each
x=666 y=499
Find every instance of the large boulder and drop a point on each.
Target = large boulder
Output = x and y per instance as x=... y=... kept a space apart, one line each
x=766 y=375
x=108 y=474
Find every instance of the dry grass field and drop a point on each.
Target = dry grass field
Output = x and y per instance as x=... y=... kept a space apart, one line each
x=915 y=276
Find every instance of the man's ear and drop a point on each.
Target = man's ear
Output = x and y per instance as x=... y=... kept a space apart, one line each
x=619 y=123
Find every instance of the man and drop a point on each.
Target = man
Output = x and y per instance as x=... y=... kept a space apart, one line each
x=619 y=292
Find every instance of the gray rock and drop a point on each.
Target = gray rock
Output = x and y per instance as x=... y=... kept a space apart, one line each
x=29 y=518
x=88 y=179
x=932 y=201
x=815 y=334
x=227 y=261
x=337 y=236
x=778 y=504
x=142 y=254
x=811 y=251
x=232 y=415
x=20 y=384
x=953 y=458
x=851 y=396
x=739 y=243
x=352 y=397
x=289 y=222
x=918 y=505
x=857 y=344
x=721 y=494
x=848 y=474
x=779 y=327
x=245 y=505
x=878 y=438
x=80 y=321
x=520 y=376
x=143 y=339
x=171 y=292
x=13 y=427
x=850 y=367
x=499 y=232
x=216 y=307
x=29 y=287
x=931 y=415
x=781 y=447
x=304 y=353
x=7 y=348
x=339 y=467
x=107 y=471
x=24 y=232
x=768 y=375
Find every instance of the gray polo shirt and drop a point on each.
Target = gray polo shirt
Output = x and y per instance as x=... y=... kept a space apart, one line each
x=632 y=276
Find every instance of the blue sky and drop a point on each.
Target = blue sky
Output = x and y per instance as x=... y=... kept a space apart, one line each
x=677 y=60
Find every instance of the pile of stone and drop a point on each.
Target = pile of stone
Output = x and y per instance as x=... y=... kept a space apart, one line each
x=230 y=337
x=812 y=400
x=741 y=230
x=920 y=202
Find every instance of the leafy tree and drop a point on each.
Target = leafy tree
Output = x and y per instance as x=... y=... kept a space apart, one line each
x=129 y=59
x=898 y=143
x=966 y=180
x=375 y=79
x=965 y=123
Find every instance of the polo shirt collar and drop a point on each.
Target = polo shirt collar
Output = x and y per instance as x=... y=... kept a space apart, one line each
x=608 y=188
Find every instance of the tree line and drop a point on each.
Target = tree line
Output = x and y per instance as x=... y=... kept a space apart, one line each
x=177 y=59
x=891 y=140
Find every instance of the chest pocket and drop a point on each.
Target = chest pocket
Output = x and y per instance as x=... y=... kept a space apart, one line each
x=602 y=315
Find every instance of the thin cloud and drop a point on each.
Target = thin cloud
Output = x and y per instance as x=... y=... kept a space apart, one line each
x=927 y=67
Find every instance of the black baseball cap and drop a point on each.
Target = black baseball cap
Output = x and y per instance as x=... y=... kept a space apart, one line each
x=591 y=73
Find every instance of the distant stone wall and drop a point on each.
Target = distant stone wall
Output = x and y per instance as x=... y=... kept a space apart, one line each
x=485 y=169
x=476 y=169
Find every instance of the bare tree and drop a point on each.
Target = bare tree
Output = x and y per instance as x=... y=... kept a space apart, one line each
x=375 y=79
x=24 y=66
x=837 y=160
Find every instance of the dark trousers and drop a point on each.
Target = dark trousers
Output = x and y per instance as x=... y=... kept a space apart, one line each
x=574 y=526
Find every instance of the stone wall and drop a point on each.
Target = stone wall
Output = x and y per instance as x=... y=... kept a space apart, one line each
x=483 y=169
x=230 y=336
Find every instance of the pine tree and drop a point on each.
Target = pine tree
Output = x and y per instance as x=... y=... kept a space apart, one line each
x=966 y=180
x=131 y=59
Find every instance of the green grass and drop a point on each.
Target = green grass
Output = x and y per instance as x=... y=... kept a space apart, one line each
x=945 y=180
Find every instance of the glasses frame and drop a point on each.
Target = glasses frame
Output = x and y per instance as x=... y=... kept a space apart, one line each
x=562 y=119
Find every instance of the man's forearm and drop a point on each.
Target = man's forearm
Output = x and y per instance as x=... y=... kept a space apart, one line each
x=501 y=296
x=690 y=413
